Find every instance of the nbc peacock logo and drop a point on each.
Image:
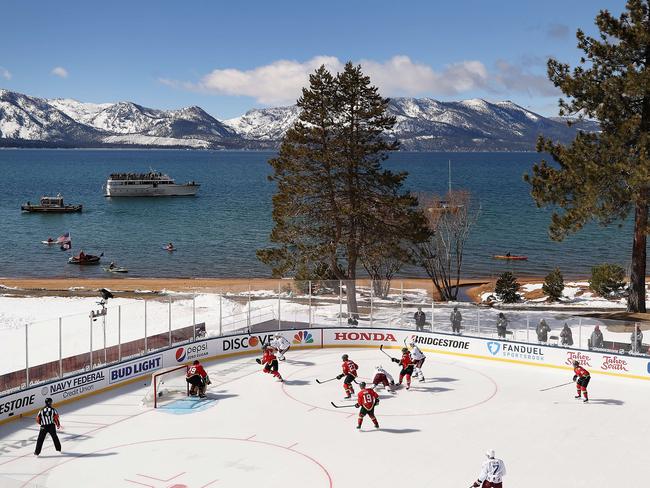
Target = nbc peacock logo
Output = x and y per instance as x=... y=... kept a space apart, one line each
x=303 y=337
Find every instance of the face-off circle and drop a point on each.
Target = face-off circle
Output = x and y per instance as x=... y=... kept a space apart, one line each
x=168 y=463
x=448 y=386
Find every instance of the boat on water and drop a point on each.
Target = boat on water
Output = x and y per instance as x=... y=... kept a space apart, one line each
x=151 y=184
x=51 y=205
x=85 y=259
x=116 y=269
x=510 y=257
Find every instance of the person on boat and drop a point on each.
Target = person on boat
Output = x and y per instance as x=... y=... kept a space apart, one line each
x=508 y=254
x=169 y=247
x=49 y=239
x=112 y=265
x=81 y=256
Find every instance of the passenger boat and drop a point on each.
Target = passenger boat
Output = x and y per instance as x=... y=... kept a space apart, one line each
x=511 y=258
x=51 y=205
x=152 y=184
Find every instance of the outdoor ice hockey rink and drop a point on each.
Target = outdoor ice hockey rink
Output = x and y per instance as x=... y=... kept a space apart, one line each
x=255 y=431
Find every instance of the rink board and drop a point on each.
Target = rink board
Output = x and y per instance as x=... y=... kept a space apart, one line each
x=28 y=401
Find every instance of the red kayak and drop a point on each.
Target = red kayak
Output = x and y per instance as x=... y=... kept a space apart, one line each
x=511 y=258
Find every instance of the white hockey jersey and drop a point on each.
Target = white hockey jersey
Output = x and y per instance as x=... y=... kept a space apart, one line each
x=416 y=354
x=493 y=470
x=280 y=343
x=380 y=370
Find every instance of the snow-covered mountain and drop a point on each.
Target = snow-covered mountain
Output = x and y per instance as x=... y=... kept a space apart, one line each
x=427 y=124
x=65 y=122
x=421 y=124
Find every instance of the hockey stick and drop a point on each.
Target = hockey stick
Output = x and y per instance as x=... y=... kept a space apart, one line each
x=342 y=406
x=557 y=386
x=381 y=348
x=325 y=381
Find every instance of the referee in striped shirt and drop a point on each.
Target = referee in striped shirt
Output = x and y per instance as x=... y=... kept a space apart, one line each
x=48 y=419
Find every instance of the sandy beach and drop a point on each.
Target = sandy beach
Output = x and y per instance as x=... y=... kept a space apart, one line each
x=68 y=286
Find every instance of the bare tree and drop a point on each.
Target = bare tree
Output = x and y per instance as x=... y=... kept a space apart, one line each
x=382 y=260
x=450 y=222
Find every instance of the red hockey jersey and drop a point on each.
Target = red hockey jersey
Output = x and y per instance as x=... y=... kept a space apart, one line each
x=580 y=372
x=350 y=367
x=367 y=398
x=195 y=369
x=268 y=356
x=406 y=360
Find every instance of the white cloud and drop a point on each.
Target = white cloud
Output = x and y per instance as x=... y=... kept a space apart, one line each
x=281 y=82
x=5 y=73
x=59 y=71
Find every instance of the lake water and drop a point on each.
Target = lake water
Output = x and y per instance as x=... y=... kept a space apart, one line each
x=218 y=231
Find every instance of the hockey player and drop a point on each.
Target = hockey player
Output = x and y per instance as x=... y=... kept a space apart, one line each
x=270 y=362
x=198 y=378
x=492 y=472
x=407 y=367
x=280 y=344
x=418 y=360
x=582 y=376
x=367 y=399
x=350 y=372
x=383 y=377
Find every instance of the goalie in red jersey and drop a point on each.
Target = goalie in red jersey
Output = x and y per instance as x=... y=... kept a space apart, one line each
x=367 y=399
x=582 y=376
x=270 y=362
x=197 y=378
x=350 y=372
x=407 y=367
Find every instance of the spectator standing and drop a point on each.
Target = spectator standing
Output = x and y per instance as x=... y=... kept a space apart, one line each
x=456 y=318
x=502 y=325
x=542 y=330
x=48 y=419
x=597 y=338
x=420 y=319
x=566 y=336
x=636 y=339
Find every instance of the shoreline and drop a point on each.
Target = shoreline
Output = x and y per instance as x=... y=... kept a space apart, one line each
x=58 y=286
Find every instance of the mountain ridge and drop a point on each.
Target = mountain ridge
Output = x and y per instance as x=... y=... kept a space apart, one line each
x=422 y=124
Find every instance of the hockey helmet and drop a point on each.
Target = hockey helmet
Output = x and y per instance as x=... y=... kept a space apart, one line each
x=490 y=453
x=196 y=361
x=48 y=401
x=405 y=349
x=277 y=335
x=344 y=357
x=362 y=384
x=412 y=344
x=576 y=364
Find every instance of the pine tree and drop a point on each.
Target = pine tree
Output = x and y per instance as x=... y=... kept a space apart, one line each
x=506 y=288
x=334 y=199
x=553 y=285
x=604 y=177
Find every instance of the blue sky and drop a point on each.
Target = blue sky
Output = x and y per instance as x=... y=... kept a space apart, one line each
x=228 y=57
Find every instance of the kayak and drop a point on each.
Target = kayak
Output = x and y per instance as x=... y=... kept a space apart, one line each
x=88 y=259
x=49 y=243
x=165 y=248
x=511 y=258
x=116 y=270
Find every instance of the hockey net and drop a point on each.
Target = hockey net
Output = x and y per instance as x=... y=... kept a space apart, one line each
x=167 y=386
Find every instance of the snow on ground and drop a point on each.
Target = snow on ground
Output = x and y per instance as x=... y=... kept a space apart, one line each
x=254 y=431
x=575 y=294
x=229 y=313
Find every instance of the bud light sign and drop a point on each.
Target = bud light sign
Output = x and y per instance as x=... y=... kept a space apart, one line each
x=134 y=369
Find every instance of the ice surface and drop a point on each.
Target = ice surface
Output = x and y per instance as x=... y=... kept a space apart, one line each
x=254 y=431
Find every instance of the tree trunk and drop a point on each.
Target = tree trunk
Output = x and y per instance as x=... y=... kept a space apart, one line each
x=351 y=298
x=636 y=298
